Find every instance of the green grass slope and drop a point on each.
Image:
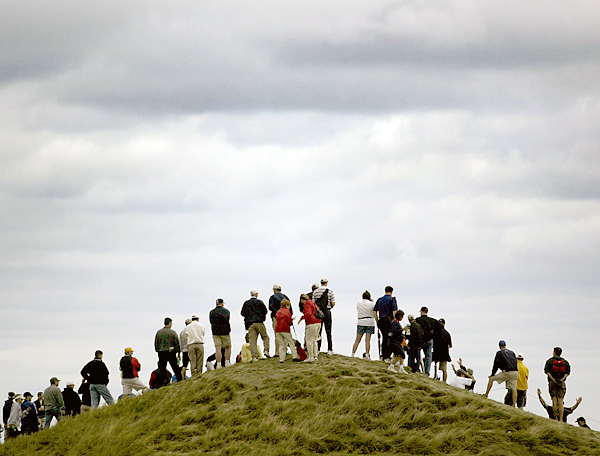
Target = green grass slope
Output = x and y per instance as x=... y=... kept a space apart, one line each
x=339 y=405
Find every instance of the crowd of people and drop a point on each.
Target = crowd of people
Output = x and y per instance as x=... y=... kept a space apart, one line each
x=423 y=342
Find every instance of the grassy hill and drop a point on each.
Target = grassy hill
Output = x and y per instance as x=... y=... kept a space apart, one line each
x=339 y=405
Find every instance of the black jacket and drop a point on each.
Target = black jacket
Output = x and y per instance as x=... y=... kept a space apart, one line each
x=430 y=327
x=254 y=311
x=219 y=321
x=95 y=372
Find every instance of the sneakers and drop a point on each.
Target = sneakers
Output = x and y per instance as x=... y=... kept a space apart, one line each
x=367 y=356
x=227 y=363
x=392 y=368
x=267 y=355
x=219 y=366
x=296 y=360
x=254 y=360
x=330 y=352
x=401 y=370
x=310 y=360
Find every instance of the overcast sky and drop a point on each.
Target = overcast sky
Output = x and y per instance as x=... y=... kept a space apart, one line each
x=155 y=156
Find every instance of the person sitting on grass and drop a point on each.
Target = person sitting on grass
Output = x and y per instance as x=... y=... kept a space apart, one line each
x=462 y=380
x=247 y=353
x=160 y=377
x=567 y=410
x=581 y=422
x=397 y=343
x=468 y=371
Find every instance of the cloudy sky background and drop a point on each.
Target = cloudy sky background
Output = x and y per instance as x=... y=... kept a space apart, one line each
x=155 y=156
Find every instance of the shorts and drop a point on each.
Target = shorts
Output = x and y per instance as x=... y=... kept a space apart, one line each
x=397 y=350
x=130 y=384
x=222 y=341
x=365 y=330
x=521 y=398
x=442 y=365
x=557 y=389
x=185 y=359
x=510 y=377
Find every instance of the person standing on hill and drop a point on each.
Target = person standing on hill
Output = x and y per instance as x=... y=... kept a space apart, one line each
x=255 y=312
x=442 y=343
x=86 y=396
x=185 y=357
x=557 y=369
x=72 y=400
x=221 y=331
x=521 y=384
x=39 y=406
x=96 y=373
x=385 y=308
x=274 y=306
x=430 y=327
x=506 y=361
x=313 y=325
x=367 y=318
x=13 y=425
x=130 y=368
x=415 y=343
x=166 y=344
x=195 y=333
x=7 y=407
x=29 y=420
x=53 y=402
x=324 y=298
x=397 y=343
x=282 y=331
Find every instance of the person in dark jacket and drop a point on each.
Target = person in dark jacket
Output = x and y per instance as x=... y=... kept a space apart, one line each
x=160 y=377
x=415 y=344
x=430 y=327
x=274 y=306
x=96 y=373
x=166 y=344
x=72 y=400
x=221 y=331
x=442 y=343
x=397 y=343
x=29 y=420
x=86 y=396
x=255 y=312
x=506 y=361
x=7 y=406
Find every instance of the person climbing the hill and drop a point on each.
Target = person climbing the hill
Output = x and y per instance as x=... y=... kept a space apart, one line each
x=557 y=369
x=506 y=361
x=130 y=379
x=324 y=298
x=550 y=411
x=442 y=343
x=282 y=331
x=255 y=312
x=367 y=318
x=313 y=326
x=397 y=343
x=385 y=308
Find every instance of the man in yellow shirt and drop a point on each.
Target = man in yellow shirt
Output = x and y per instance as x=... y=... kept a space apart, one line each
x=523 y=371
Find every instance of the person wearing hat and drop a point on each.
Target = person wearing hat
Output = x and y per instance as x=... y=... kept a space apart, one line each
x=385 y=307
x=185 y=356
x=54 y=403
x=521 y=384
x=506 y=362
x=442 y=343
x=255 y=312
x=324 y=298
x=130 y=379
x=7 y=407
x=462 y=380
x=29 y=420
x=581 y=422
x=13 y=425
x=221 y=333
x=72 y=400
x=194 y=333
x=274 y=306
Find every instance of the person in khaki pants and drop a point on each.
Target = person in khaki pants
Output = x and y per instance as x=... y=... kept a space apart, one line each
x=282 y=332
x=254 y=312
x=194 y=333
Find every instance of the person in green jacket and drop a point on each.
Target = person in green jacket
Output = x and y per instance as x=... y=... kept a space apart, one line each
x=53 y=402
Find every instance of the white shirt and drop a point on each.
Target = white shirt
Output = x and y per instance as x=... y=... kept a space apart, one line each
x=461 y=382
x=365 y=312
x=194 y=332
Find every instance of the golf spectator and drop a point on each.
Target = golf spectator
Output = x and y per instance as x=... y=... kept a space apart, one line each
x=282 y=331
x=254 y=312
x=166 y=344
x=13 y=424
x=557 y=369
x=469 y=371
x=324 y=298
x=581 y=422
x=274 y=306
x=385 y=308
x=221 y=332
x=462 y=380
x=39 y=406
x=367 y=318
x=246 y=353
x=430 y=327
x=72 y=400
x=160 y=377
x=521 y=385
x=550 y=411
x=86 y=396
x=195 y=333
x=185 y=358
x=96 y=373
x=313 y=326
x=7 y=407
x=414 y=333
x=29 y=419
x=397 y=343
x=53 y=402
x=506 y=362
x=442 y=343
x=130 y=378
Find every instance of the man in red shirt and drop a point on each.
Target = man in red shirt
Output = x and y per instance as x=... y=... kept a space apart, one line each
x=130 y=367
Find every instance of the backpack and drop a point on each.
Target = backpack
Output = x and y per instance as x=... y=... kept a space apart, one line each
x=319 y=313
x=323 y=301
x=558 y=368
